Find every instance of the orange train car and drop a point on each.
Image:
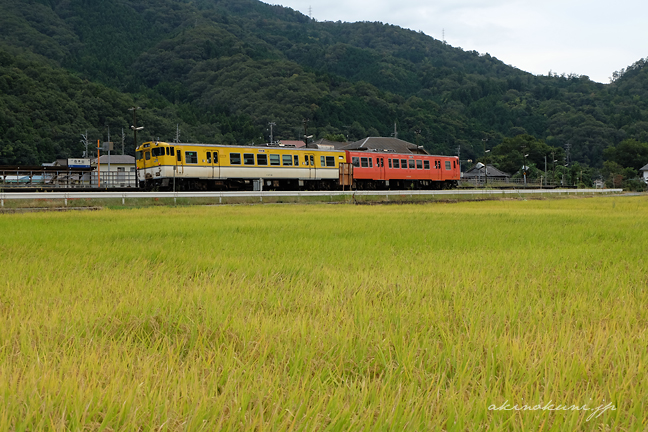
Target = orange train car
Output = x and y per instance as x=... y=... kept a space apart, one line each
x=387 y=170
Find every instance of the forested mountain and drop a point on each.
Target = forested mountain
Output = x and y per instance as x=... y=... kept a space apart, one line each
x=223 y=69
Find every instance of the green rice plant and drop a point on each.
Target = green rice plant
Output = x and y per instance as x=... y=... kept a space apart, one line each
x=318 y=317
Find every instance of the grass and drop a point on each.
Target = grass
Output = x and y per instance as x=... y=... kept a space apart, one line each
x=319 y=317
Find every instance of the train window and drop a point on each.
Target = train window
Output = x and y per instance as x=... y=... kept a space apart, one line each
x=419 y=164
x=396 y=164
x=209 y=157
x=403 y=163
x=448 y=166
x=389 y=163
x=262 y=159
x=330 y=161
x=312 y=158
x=297 y=161
x=147 y=155
x=437 y=164
x=426 y=164
x=322 y=161
x=191 y=157
x=172 y=151
x=364 y=162
x=235 y=158
x=248 y=158
x=454 y=164
x=179 y=156
x=157 y=151
x=411 y=163
x=167 y=150
x=274 y=159
x=355 y=161
x=139 y=155
x=370 y=162
x=215 y=157
x=287 y=160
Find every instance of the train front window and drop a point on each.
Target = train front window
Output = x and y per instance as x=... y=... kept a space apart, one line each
x=172 y=151
x=286 y=160
x=147 y=155
x=158 y=151
x=262 y=159
x=139 y=155
x=235 y=158
x=274 y=159
x=167 y=150
x=248 y=158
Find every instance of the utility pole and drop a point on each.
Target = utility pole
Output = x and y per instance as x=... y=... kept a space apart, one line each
x=271 y=124
x=177 y=135
x=84 y=141
x=123 y=138
x=305 y=133
x=135 y=129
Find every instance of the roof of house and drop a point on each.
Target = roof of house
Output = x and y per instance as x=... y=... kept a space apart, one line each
x=295 y=143
x=385 y=143
x=491 y=171
x=326 y=144
x=644 y=168
x=115 y=159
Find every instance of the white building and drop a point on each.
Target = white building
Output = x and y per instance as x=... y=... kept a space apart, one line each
x=115 y=170
x=644 y=172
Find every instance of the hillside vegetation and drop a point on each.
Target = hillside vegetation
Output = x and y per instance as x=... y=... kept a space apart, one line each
x=220 y=71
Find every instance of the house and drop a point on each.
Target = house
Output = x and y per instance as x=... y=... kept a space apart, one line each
x=644 y=172
x=115 y=170
x=480 y=172
x=386 y=144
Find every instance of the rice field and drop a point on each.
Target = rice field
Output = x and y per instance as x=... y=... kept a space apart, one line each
x=497 y=315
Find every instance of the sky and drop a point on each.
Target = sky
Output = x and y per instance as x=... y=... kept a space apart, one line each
x=582 y=37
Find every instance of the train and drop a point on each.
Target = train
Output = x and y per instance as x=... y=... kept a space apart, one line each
x=183 y=166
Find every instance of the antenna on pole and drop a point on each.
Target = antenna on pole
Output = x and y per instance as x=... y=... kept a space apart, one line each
x=443 y=35
x=310 y=12
x=123 y=138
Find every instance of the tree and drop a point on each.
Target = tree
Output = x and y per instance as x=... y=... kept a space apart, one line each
x=629 y=153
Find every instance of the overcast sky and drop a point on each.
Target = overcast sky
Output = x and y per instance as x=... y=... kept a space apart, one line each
x=584 y=37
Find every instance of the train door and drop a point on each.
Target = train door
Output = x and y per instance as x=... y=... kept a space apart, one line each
x=212 y=164
x=380 y=162
x=437 y=173
x=179 y=161
x=310 y=160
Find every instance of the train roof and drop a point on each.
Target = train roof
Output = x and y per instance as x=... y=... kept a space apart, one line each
x=256 y=146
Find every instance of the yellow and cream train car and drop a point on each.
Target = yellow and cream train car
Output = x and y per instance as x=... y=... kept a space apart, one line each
x=163 y=165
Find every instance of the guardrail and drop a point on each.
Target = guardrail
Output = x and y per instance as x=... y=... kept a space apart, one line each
x=475 y=193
